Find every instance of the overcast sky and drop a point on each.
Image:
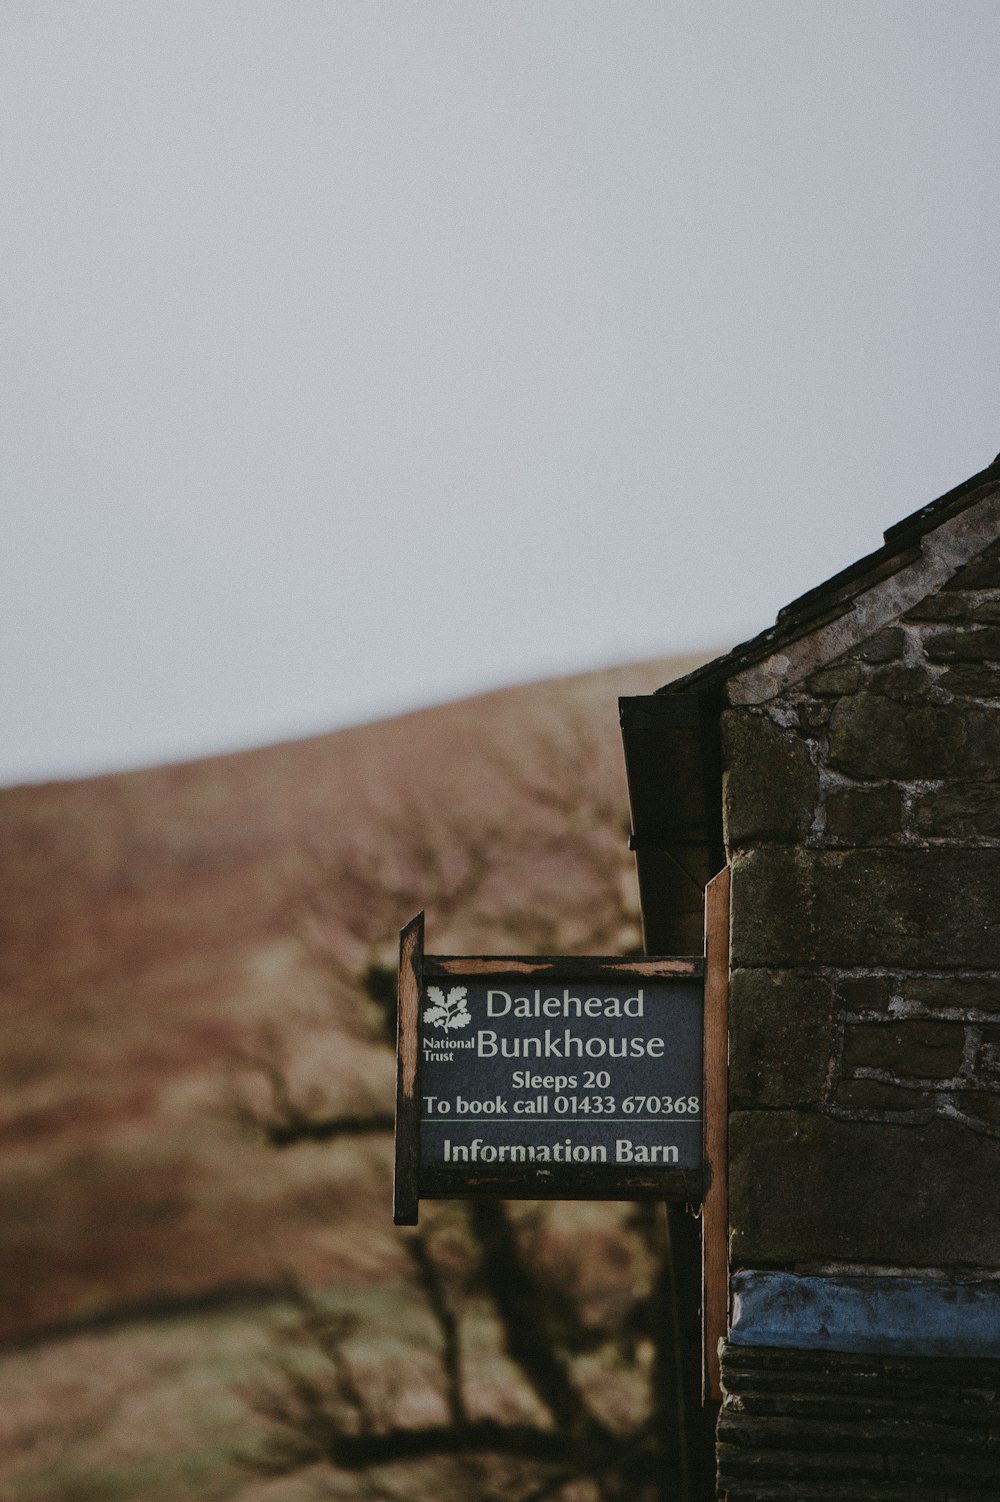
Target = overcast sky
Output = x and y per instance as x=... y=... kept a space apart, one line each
x=358 y=355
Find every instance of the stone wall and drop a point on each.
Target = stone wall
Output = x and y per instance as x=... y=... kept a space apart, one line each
x=863 y=825
x=802 y=1426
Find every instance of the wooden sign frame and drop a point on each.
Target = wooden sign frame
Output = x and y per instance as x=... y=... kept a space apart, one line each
x=414 y=1182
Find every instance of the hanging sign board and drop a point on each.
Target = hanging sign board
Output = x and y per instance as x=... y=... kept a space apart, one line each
x=547 y=1078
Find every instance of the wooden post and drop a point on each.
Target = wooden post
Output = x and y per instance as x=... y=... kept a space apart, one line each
x=405 y=1199
x=715 y=1211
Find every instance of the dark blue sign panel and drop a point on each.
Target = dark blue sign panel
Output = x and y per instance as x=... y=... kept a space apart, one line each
x=541 y=1076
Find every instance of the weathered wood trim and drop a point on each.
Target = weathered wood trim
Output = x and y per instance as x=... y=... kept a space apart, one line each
x=576 y=967
x=715 y=1210
x=406 y=1181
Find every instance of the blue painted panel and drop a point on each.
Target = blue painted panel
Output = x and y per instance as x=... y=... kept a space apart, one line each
x=891 y=1316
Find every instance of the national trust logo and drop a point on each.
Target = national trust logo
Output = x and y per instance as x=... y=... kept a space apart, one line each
x=449 y=1011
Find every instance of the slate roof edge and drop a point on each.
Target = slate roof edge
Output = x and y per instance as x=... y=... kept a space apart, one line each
x=834 y=597
x=671 y=739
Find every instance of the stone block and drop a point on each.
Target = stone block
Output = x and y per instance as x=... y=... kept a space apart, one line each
x=928 y=1465
x=903 y=908
x=988 y=1057
x=808 y=1188
x=946 y=1383
x=813 y=713
x=980 y=758
x=761 y=1366
x=770 y=784
x=906 y=683
x=983 y=1105
x=967 y=993
x=802 y=1466
x=885 y=646
x=836 y=1435
x=987 y=612
x=975 y=644
x=926 y=1050
x=959 y=811
x=780 y=1038
x=864 y=993
x=875 y=737
x=943 y=607
x=864 y=816
x=874 y=1095
x=838 y=679
x=740 y=1490
x=974 y=680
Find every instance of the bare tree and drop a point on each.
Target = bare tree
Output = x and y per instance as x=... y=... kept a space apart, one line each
x=591 y=1401
x=536 y=862
x=561 y=1431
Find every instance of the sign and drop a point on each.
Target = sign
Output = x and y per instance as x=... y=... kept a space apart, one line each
x=537 y=1078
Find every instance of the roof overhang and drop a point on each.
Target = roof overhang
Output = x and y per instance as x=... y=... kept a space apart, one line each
x=672 y=738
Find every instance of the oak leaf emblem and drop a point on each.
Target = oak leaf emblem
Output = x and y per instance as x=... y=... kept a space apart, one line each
x=448 y=1011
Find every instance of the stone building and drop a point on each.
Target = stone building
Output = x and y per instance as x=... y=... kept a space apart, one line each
x=846 y=763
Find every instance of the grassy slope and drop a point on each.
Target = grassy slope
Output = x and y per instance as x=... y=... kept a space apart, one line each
x=148 y=932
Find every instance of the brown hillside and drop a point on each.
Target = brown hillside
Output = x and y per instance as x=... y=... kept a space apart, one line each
x=151 y=933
